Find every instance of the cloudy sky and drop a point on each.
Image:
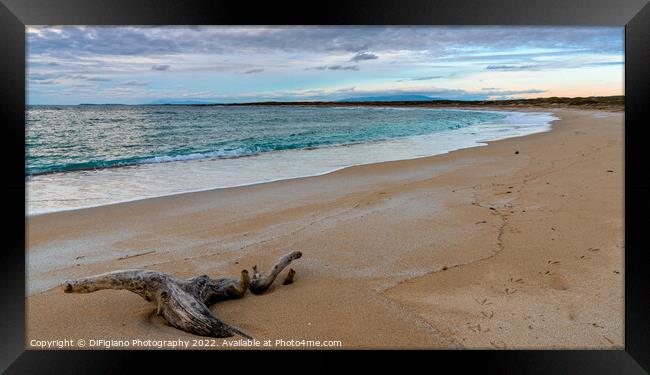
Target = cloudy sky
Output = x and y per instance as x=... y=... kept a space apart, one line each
x=133 y=65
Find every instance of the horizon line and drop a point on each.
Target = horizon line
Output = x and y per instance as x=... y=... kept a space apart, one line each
x=340 y=102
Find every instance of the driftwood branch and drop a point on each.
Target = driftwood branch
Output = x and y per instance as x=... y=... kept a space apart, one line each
x=261 y=283
x=289 y=279
x=183 y=303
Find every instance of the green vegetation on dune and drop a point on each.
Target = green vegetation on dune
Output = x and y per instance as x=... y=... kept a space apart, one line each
x=591 y=102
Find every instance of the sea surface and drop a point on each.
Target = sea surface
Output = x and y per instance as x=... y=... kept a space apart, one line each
x=91 y=155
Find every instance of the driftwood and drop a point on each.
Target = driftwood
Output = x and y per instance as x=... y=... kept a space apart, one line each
x=183 y=303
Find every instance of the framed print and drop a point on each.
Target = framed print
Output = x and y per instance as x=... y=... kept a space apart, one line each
x=465 y=179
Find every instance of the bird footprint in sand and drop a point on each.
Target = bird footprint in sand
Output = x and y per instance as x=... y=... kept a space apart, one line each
x=478 y=329
x=486 y=315
x=483 y=302
x=498 y=344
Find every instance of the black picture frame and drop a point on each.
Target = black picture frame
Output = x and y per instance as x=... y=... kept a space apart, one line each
x=633 y=14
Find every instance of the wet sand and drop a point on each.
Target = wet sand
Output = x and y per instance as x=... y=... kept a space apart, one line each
x=518 y=244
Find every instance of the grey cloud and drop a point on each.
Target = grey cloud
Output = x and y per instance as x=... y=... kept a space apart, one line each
x=54 y=76
x=420 y=78
x=507 y=58
x=425 y=78
x=512 y=67
x=82 y=85
x=607 y=63
x=441 y=41
x=161 y=67
x=555 y=64
x=40 y=77
x=45 y=82
x=351 y=47
x=253 y=71
x=133 y=83
x=364 y=56
x=336 y=67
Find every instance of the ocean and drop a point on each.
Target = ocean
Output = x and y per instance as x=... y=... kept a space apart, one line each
x=91 y=155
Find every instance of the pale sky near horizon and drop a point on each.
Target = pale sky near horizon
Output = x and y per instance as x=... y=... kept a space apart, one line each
x=136 y=65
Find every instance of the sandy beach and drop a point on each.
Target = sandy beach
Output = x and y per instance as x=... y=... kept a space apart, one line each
x=518 y=244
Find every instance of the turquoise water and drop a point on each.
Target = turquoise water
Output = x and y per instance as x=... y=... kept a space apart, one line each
x=69 y=138
x=85 y=156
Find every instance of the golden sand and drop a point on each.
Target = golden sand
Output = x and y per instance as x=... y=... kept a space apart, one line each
x=478 y=248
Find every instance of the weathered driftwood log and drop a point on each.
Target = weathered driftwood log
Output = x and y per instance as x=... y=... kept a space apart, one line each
x=183 y=303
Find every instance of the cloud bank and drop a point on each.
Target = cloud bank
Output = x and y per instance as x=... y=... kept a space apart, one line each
x=71 y=64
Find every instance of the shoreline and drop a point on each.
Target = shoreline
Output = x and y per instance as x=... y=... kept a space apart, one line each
x=413 y=243
x=478 y=143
